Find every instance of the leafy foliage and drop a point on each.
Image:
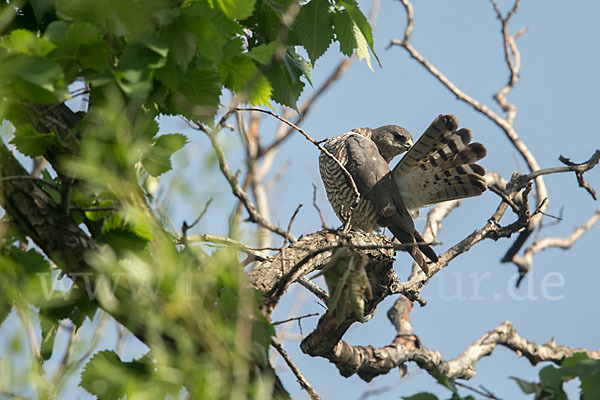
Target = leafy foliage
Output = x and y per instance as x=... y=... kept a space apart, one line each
x=550 y=386
x=134 y=62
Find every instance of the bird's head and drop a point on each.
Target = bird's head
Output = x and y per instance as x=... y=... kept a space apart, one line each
x=391 y=140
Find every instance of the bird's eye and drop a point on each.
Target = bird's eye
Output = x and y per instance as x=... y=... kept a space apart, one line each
x=399 y=137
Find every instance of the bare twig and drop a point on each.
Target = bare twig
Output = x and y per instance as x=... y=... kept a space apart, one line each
x=301 y=379
x=525 y=262
x=25 y=318
x=185 y=227
x=316 y=206
x=285 y=241
x=483 y=392
x=205 y=237
x=579 y=169
x=290 y=224
x=69 y=363
x=513 y=60
x=314 y=289
x=294 y=319
x=255 y=216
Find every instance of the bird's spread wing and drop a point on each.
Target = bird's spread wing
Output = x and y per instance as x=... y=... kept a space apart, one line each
x=374 y=181
x=440 y=166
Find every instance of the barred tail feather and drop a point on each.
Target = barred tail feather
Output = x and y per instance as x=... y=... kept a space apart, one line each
x=436 y=137
x=442 y=167
x=415 y=251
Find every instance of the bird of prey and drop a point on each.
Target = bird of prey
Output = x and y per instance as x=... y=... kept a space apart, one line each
x=440 y=166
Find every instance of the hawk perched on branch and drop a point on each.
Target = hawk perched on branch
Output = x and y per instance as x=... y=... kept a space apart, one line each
x=440 y=166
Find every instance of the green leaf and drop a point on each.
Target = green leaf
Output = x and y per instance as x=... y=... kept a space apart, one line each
x=526 y=387
x=94 y=56
x=168 y=15
x=551 y=376
x=116 y=222
x=41 y=8
x=421 y=396
x=107 y=377
x=236 y=72
x=140 y=57
x=55 y=194
x=445 y=381
x=588 y=372
x=49 y=329
x=261 y=92
x=263 y=54
x=234 y=9
x=361 y=47
x=79 y=306
x=265 y=22
x=344 y=32
x=124 y=236
x=36 y=78
x=363 y=25
x=81 y=42
x=157 y=160
x=551 y=379
x=284 y=77
x=94 y=12
x=241 y=74
x=33 y=261
x=154 y=43
x=199 y=94
x=98 y=215
x=313 y=28
x=122 y=240
x=79 y=33
x=209 y=40
x=42 y=72
x=182 y=43
x=117 y=17
x=56 y=31
x=5 y=309
x=32 y=143
x=24 y=41
x=574 y=360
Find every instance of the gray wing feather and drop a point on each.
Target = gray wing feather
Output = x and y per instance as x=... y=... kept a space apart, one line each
x=373 y=179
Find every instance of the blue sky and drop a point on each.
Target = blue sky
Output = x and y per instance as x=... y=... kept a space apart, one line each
x=557 y=100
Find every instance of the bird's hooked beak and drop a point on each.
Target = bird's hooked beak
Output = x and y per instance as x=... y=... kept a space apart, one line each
x=408 y=144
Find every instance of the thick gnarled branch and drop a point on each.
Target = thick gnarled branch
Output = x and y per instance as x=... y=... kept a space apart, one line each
x=311 y=253
x=369 y=362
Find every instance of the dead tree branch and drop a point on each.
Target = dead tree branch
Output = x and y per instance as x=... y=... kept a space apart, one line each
x=512 y=57
x=524 y=263
x=238 y=192
x=368 y=361
x=301 y=379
